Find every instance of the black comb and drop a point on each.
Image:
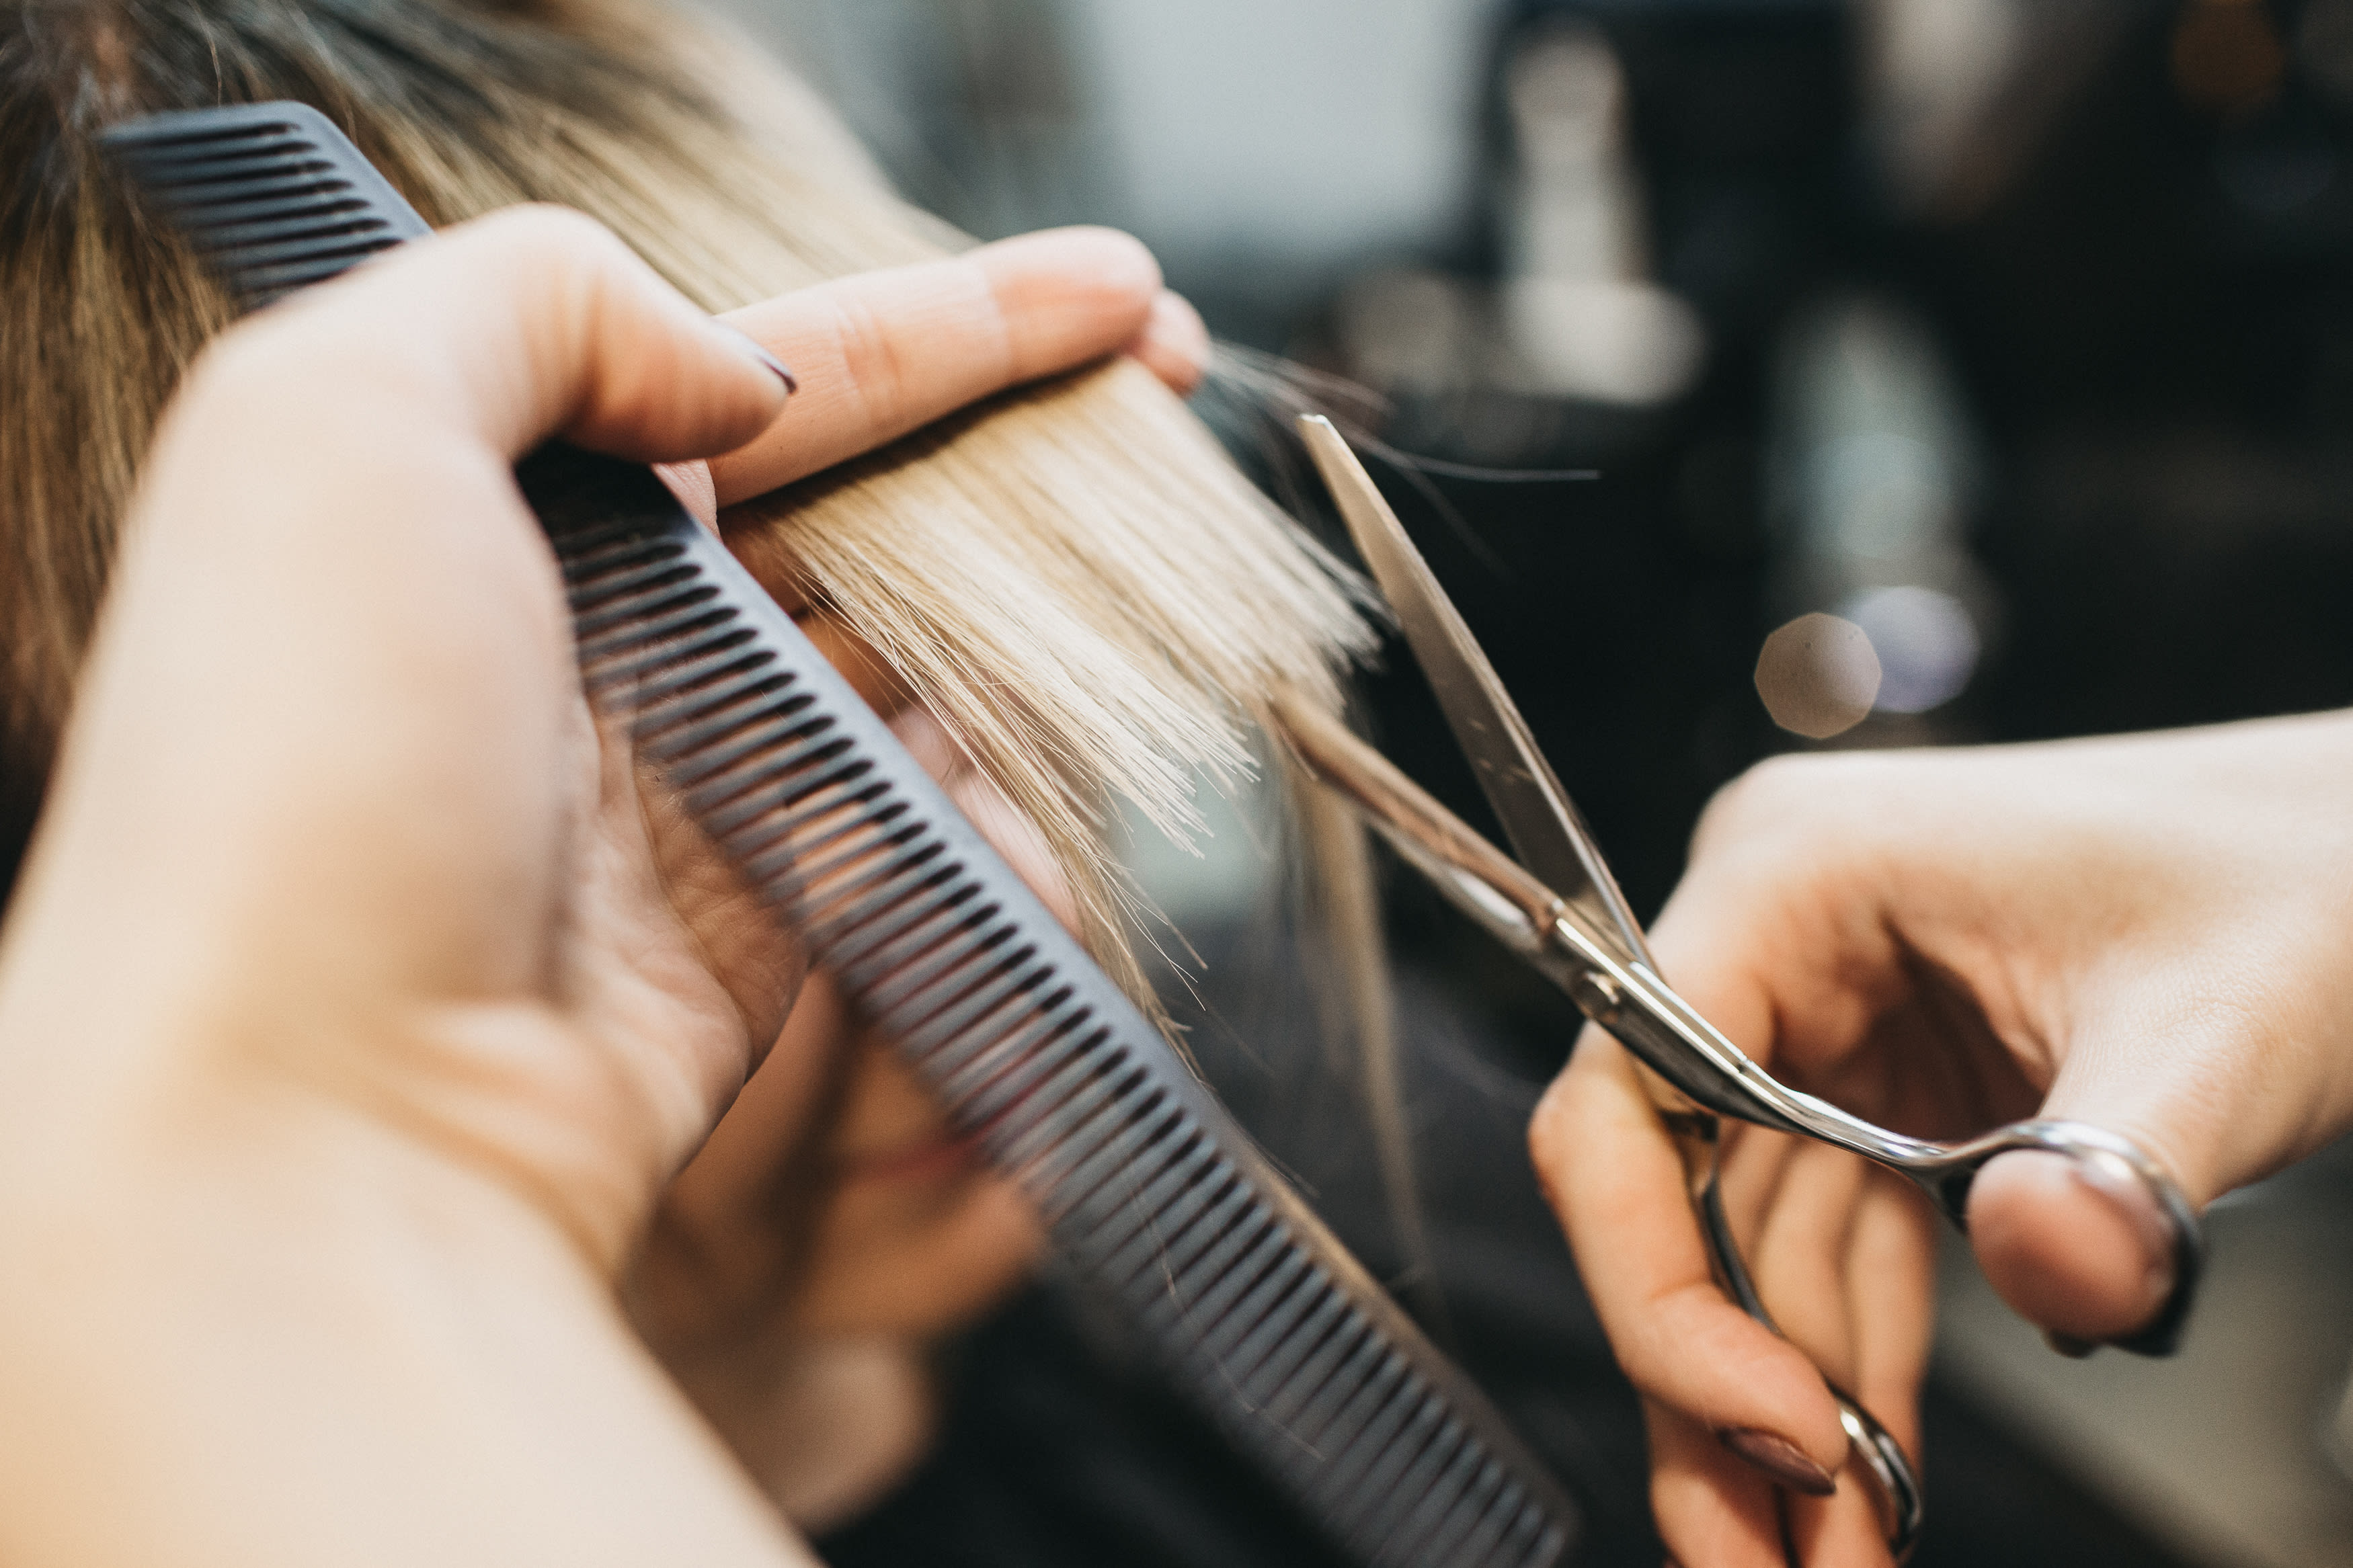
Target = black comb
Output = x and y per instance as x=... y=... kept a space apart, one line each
x=1154 y=1195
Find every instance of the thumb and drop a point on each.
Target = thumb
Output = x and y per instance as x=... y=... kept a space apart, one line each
x=2081 y=1244
x=2077 y=1246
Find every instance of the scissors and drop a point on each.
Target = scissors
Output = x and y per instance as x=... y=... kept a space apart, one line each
x=1559 y=907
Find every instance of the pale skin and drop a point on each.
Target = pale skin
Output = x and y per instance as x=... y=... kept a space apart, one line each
x=358 y=1009
x=356 y=1013
x=2146 y=932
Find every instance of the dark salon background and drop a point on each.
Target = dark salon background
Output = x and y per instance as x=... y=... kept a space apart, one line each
x=2016 y=335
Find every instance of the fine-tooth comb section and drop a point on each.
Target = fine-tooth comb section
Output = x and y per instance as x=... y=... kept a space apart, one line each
x=271 y=193
x=1153 y=1195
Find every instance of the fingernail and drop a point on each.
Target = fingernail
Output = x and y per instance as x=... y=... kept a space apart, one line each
x=751 y=346
x=1175 y=344
x=1175 y=322
x=1779 y=1458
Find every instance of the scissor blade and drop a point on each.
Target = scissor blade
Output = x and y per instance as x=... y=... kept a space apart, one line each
x=1540 y=819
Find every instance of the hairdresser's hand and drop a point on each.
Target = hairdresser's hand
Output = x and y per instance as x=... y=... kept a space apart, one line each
x=347 y=1033
x=356 y=1005
x=2146 y=933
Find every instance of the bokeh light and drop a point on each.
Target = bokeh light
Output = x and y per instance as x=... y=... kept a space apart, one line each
x=1819 y=676
x=1927 y=643
x=2226 y=55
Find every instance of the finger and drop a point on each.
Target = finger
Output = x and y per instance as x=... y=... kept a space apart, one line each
x=1617 y=1184
x=1751 y=1164
x=1888 y=1279
x=728 y=1236
x=885 y=353
x=1890 y=1276
x=1778 y=934
x=1802 y=1255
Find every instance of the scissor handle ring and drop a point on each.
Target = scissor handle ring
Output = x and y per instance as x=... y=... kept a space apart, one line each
x=2098 y=1147
x=1895 y=1485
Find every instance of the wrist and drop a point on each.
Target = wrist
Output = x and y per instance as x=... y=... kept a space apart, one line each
x=371 y=1358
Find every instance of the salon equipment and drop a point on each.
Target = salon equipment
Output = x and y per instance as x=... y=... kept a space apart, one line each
x=1153 y=1195
x=1560 y=908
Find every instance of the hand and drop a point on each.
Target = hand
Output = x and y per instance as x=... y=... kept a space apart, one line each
x=2146 y=933
x=354 y=1006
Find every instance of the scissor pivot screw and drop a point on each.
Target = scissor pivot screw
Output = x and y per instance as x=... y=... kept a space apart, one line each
x=1598 y=996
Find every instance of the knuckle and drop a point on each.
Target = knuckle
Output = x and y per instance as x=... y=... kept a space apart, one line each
x=872 y=372
x=560 y=253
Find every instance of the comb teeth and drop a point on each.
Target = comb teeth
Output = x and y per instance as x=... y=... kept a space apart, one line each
x=271 y=193
x=1152 y=1193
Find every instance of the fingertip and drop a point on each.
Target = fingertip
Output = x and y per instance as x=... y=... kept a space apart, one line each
x=1753 y=1379
x=1618 y=1186
x=1594 y=1103
x=2088 y=1258
x=1173 y=345
x=1070 y=295
x=677 y=389
x=1846 y=1529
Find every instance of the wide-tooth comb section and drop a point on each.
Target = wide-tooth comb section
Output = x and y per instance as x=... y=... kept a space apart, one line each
x=1154 y=1195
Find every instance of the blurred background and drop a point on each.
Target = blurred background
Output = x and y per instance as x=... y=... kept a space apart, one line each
x=2014 y=337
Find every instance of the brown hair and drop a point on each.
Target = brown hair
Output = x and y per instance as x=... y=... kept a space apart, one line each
x=1072 y=575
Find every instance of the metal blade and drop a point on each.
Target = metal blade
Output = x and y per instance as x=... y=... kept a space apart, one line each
x=1551 y=839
